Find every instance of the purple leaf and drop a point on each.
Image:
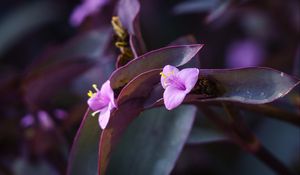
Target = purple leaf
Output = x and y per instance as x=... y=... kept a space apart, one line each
x=130 y=102
x=84 y=153
x=132 y=96
x=38 y=87
x=21 y=21
x=128 y=11
x=204 y=136
x=173 y=55
x=140 y=86
x=255 y=85
x=153 y=142
x=119 y=121
x=59 y=66
x=85 y=9
x=186 y=40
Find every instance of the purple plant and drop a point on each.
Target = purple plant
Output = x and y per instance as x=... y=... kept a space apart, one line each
x=160 y=98
x=139 y=87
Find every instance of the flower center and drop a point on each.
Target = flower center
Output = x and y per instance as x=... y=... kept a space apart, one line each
x=90 y=93
x=170 y=79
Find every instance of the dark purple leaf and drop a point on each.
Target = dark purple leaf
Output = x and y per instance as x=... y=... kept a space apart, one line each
x=39 y=87
x=87 y=45
x=255 y=85
x=119 y=121
x=60 y=66
x=173 y=55
x=185 y=40
x=22 y=166
x=140 y=86
x=153 y=142
x=22 y=20
x=203 y=136
x=187 y=7
x=132 y=96
x=128 y=11
x=84 y=153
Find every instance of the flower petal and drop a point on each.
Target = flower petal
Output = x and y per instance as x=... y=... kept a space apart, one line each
x=104 y=117
x=78 y=15
x=189 y=77
x=167 y=71
x=168 y=68
x=45 y=120
x=86 y=8
x=107 y=93
x=96 y=103
x=173 y=97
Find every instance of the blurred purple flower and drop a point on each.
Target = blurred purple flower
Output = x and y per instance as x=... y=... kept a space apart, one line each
x=86 y=8
x=177 y=84
x=244 y=54
x=45 y=120
x=27 y=120
x=60 y=114
x=102 y=101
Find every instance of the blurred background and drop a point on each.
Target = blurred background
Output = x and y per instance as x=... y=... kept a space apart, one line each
x=48 y=62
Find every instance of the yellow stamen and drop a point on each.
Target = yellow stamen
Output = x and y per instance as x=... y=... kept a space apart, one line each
x=94 y=113
x=90 y=93
x=168 y=74
x=171 y=73
x=95 y=87
x=163 y=75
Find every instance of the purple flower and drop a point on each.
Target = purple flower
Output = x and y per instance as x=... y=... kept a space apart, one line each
x=45 y=120
x=27 y=120
x=85 y=9
x=102 y=101
x=245 y=53
x=177 y=84
x=60 y=114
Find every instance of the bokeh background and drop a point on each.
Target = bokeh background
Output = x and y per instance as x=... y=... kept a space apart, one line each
x=47 y=65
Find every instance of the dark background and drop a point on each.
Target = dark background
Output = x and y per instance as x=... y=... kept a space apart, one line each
x=40 y=77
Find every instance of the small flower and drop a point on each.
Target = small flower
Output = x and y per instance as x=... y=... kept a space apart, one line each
x=45 y=120
x=27 y=120
x=102 y=101
x=88 y=7
x=177 y=84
